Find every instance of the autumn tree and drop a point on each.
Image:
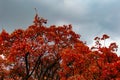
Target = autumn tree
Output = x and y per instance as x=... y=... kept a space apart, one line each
x=34 y=53
x=98 y=63
x=55 y=53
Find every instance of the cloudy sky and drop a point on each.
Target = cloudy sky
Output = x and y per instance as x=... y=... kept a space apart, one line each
x=90 y=18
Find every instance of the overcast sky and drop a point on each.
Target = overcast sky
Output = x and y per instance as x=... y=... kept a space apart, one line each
x=90 y=18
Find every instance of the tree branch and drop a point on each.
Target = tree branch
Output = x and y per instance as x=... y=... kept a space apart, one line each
x=27 y=64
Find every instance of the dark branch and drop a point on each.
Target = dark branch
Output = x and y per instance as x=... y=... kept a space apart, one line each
x=27 y=64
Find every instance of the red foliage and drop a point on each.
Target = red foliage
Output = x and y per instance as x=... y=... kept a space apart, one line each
x=105 y=36
x=55 y=53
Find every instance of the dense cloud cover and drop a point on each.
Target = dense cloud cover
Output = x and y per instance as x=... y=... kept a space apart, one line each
x=89 y=18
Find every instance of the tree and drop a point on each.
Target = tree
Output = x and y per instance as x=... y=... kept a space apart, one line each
x=55 y=53
x=97 y=63
x=34 y=53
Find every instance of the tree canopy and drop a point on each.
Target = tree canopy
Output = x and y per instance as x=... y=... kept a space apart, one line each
x=55 y=53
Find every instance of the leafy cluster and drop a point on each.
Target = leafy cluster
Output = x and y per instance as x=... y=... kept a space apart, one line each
x=55 y=53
